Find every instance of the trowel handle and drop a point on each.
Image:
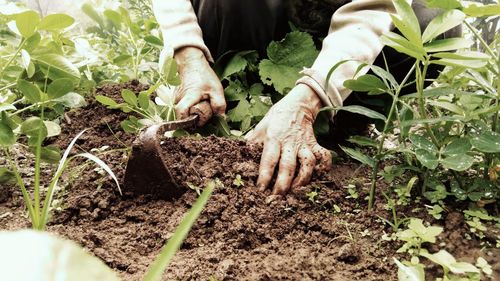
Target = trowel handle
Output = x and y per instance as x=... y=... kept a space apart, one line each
x=203 y=110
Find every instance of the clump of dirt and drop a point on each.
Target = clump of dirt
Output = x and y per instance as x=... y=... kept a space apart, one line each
x=317 y=232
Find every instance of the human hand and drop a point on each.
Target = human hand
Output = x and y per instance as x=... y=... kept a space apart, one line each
x=198 y=82
x=287 y=134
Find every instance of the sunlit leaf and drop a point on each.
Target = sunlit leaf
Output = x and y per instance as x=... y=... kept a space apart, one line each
x=442 y=23
x=55 y=22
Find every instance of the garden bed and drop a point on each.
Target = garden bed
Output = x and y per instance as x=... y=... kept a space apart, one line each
x=242 y=234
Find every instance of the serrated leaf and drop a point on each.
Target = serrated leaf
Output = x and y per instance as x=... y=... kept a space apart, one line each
x=239 y=113
x=59 y=88
x=236 y=64
x=286 y=59
x=55 y=22
x=488 y=142
x=457 y=162
x=361 y=157
x=442 y=23
x=26 y=23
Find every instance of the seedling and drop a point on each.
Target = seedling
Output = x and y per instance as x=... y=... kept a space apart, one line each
x=238 y=182
x=417 y=234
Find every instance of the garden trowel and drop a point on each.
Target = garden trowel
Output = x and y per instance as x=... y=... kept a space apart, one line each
x=147 y=172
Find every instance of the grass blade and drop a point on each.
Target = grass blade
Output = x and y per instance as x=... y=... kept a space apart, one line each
x=156 y=270
x=103 y=165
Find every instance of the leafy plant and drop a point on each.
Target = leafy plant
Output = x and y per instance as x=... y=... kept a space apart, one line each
x=417 y=234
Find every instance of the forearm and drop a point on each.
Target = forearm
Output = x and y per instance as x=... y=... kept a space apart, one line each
x=354 y=36
x=179 y=25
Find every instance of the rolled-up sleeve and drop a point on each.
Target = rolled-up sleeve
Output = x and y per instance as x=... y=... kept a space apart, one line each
x=179 y=25
x=355 y=35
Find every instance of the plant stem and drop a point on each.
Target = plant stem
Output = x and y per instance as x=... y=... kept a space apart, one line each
x=38 y=150
x=480 y=38
x=21 y=45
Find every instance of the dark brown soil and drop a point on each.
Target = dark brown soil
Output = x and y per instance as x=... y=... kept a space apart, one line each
x=242 y=234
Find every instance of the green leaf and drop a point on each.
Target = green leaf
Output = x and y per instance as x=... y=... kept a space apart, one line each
x=34 y=126
x=154 y=41
x=361 y=157
x=57 y=66
x=72 y=100
x=450 y=44
x=457 y=162
x=449 y=263
x=106 y=101
x=155 y=271
x=92 y=13
x=102 y=165
x=7 y=107
x=239 y=113
x=27 y=22
x=6 y=175
x=448 y=106
x=363 y=141
x=286 y=59
x=410 y=273
x=59 y=88
x=114 y=17
x=421 y=142
x=30 y=91
x=444 y=4
x=27 y=64
x=402 y=45
x=488 y=142
x=407 y=22
x=258 y=108
x=457 y=146
x=55 y=22
x=7 y=137
x=426 y=158
x=63 y=257
x=53 y=129
x=366 y=83
x=129 y=97
x=475 y=10
x=122 y=59
x=363 y=111
x=143 y=100
x=236 y=64
x=442 y=23
x=50 y=154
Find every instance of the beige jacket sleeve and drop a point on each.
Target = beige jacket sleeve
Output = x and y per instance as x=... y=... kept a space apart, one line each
x=179 y=25
x=354 y=35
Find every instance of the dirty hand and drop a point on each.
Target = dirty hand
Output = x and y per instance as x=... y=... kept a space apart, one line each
x=199 y=82
x=287 y=134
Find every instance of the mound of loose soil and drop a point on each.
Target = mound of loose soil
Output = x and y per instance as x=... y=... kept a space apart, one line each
x=242 y=234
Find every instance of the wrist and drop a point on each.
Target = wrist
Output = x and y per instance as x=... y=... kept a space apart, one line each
x=308 y=97
x=189 y=56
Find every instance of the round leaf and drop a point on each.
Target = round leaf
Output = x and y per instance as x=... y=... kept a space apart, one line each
x=427 y=158
x=458 y=146
x=55 y=22
x=27 y=22
x=7 y=137
x=423 y=143
x=50 y=154
x=129 y=97
x=59 y=88
x=53 y=129
x=30 y=91
x=57 y=66
x=488 y=142
x=34 y=127
x=459 y=162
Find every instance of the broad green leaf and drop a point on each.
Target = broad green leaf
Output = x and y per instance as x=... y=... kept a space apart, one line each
x=239 y=113
x=114 y=17
x=426 y=158
x=258 y=108
x=402 y=45
x=448 y=106
x=425 y=233
x=32 y=42
x=366 y=83
x=55 y=22
x=7 y=137
x=410 y=273
x=457 y=162
x=7 y=107
x=363 y=111
x=234 y=91
x=122 y=59
x=30 y=91
x=53 y=129
x=27 y=64
x=458 y=146
x=106 y=101
x=143 y=100
x=59 y=88
x=488 y=142
x=286 y=59
x=155 y=271
x=56 y=257
x=450 y=44
x=476 y=10
x=50 y=154
x=153 y=40
x=447 y=261
x=442 y=23
x=407 y=22
x=421 y=142
x=444 y=4
x=26 y=23
x=92 y=13
x=129 y=97
x=34 y=127
x=361 y=157
x=467 y=59
x=57 y=66
x=236 y=64
x=363 y=141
